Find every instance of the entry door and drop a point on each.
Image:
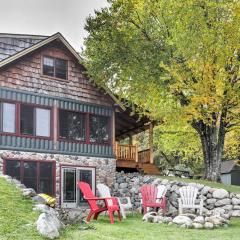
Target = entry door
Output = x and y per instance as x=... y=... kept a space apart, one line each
x=71 y=196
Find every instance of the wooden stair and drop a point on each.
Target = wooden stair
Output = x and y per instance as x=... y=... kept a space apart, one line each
x=149 y=169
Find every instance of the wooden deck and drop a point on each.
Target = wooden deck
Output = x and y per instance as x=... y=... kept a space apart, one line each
x=129 y=157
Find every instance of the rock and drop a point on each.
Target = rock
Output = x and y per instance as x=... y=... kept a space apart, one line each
x=197 y=225
x=48 y=225
x=236 y=207
x=225 y=201
x=235 y=201
x=167 y=219
x=205 y=190
x=41 y=208
x=199 y=219
x=220 y=194
x=211 y=201
x=28 y=192
x=237 y=196
x=228 y=207
x=215 y=220
x=39 y=199
x=218 y=211
x=123 y=185
x=179 y=220
x=235 y=213
x=190 y=215
x=149 y=217
x=208 y=225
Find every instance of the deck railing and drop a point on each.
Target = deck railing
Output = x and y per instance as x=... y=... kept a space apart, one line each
x=126 y=152
x=144 y=156
x=130 y=153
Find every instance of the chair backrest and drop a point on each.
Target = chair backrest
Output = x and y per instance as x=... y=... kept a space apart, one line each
x=149 y=193
x=87 y=193
x=104 y=192
x=162 y=190
x=188 y=195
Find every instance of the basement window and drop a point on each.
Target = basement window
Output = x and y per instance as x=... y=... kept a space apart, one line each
x=55 y=67
x=38 y=175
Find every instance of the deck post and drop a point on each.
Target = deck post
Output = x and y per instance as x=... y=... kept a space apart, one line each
x=136 y=159
x=151 y=143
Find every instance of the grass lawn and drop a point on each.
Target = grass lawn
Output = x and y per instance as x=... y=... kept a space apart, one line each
x=16 y=216
x=134 y=229
x=17 y=223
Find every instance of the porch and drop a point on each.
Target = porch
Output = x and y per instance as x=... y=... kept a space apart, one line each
x=130 y=157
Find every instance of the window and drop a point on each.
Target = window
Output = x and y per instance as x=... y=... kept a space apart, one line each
x=71 y=196
x=8 y=117
x=99 y=129
x=55 y=67
x=34 y=121
x=33 y=174
x=72 y=125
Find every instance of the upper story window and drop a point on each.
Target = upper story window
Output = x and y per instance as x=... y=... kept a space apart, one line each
x=99 y=129
x=72 y=125
x=55 y=67
x=35 y=121
x=8 y=117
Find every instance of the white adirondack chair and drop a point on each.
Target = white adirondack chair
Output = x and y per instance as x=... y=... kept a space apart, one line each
x=124 y=202
x=162 y=190
x=188 y=199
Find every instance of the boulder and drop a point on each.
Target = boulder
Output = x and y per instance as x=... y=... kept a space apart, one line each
x=180 y=220
x=235 y=201
x=197 y=225
x=149 y=217
x=205 y=190
x=28 y=192
x=215 y=220
x=211 y=200
x=218 y=211
x=208 y=225
x=199 y=219
x=235 y=213
x=41 y=208
x=220 y=193
x=48 y=225
x=225 y=201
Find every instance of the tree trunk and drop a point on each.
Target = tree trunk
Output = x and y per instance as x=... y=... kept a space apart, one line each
x=212 y=139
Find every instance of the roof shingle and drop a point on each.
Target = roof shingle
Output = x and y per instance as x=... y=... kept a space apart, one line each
x=11 y=44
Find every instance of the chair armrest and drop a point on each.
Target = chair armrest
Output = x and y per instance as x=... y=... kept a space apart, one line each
x=113 y=199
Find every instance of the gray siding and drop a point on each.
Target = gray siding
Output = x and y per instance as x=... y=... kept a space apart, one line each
x=41 y=145
x=226 y=178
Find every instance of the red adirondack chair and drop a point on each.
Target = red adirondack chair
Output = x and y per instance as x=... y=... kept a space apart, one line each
x=111 y=203
x=149 y=198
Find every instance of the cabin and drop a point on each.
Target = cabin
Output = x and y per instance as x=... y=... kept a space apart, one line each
x=57 y=126
x=230 y=172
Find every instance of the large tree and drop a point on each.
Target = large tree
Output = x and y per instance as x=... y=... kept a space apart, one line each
x=177 y=59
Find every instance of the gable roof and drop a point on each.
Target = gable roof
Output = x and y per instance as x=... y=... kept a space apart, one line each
x=10 y=44
x=15 y=46
x=227 y=166
x=38 y=44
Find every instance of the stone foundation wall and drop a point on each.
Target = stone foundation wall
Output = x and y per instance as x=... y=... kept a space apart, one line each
x=105 y=167
x=216 y=200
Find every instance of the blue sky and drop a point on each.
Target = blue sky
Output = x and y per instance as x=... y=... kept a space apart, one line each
x=46 y=17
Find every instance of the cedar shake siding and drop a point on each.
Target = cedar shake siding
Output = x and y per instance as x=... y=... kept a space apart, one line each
x=26 y=74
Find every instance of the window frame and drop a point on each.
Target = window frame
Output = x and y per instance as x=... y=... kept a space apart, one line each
x=77 y=167
x=34 y=123
x=72 y=140
x=87 y=125
x=109 y=129
x=54 y=68
x=1 y=117
x=38 y=170
x=17 y=132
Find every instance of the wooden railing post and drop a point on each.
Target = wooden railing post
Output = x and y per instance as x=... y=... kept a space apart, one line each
x=136 y=152
x=151 y=142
